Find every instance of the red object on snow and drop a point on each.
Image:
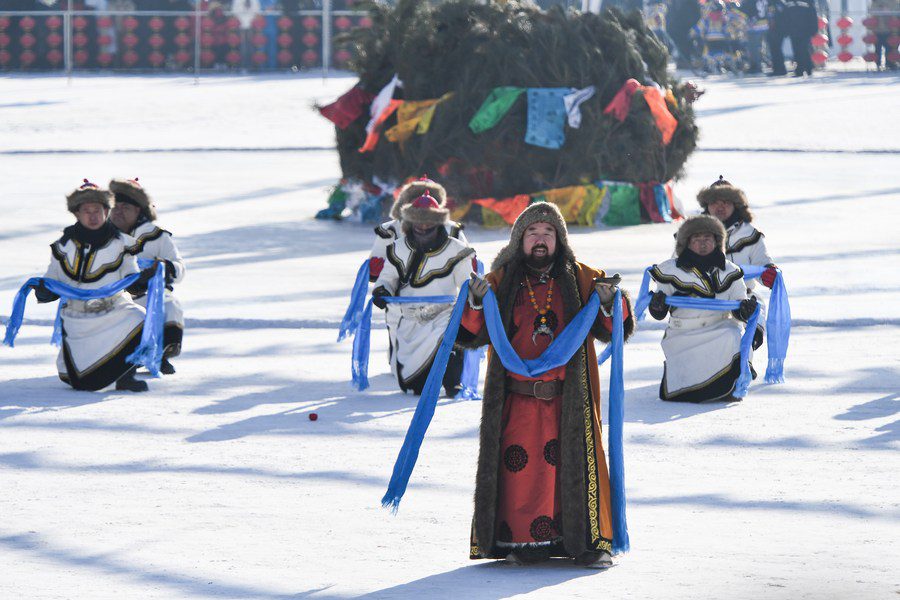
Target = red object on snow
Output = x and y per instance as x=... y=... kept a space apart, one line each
x=313 y=417
x=819 y=57
x=844 y=22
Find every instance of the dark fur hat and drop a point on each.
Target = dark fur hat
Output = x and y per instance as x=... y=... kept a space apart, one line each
x=89 y=192
x=539 y=212
x=424 y=210
x=699 y=224
x=132 y=190
x=413 y=190
x=723 y=190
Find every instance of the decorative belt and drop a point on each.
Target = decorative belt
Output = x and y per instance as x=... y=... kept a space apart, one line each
x=543 y=390
x=698 y=322
x=95 y=305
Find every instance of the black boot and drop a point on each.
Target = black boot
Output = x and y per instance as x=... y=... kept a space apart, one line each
x=127 y=383
x=166 y=368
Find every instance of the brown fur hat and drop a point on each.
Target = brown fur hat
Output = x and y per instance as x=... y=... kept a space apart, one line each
x=539 y=212
x=132 y=190
x=413 y=190
x=723 y=190
x=89 y=192
x=424 y=210
x=699 y=224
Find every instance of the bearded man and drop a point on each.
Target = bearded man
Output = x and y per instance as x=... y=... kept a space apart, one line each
x=135 y=214
x=542 y=487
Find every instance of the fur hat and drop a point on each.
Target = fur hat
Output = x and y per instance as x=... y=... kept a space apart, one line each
x=699 y=224
x=414 y=189
x=424 y=210
x=132 y=190
x=539 y=212
x=89 y=192
x=723 y=190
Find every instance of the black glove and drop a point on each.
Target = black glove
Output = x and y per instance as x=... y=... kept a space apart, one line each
x=746 y=310
x=170 y=272
x=378 y=295
x=139 y=287
x=757 y=338
x=43 y=294
x=658 y=307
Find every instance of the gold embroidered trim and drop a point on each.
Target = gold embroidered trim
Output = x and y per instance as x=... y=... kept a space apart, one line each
x=704 y=384
x=744 y=242
x=593 y=486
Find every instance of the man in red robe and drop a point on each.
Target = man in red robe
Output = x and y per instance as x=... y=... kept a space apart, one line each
x=542 y=487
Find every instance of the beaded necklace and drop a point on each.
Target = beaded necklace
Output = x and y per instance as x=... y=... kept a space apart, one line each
x=546 y=320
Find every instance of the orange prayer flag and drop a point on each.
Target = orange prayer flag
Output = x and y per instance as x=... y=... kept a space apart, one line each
x=372 y=138
x=508 y=208
x=665 y=122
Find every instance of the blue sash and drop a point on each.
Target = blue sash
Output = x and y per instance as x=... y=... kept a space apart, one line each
x=147 y=354
x=354 y=312
x=778 y=319
x=557 y=354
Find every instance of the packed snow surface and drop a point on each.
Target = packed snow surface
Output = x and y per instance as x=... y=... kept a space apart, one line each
x=216 y=484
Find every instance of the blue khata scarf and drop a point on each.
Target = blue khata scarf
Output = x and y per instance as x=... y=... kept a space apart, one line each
x=358 y=320
x=778 y=320
x=148 y=354
x=557 y=354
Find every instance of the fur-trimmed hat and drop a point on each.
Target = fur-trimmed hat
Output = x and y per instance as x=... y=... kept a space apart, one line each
x=135 y=194
x=723 y=190
x=89 y=192
x=414 y=189
x=539 y=212
x=424 y=210
x=699 y=224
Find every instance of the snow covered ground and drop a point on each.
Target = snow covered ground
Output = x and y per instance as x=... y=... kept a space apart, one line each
x=216 y=484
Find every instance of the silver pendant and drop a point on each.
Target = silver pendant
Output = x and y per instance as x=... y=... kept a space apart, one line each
x=542 y=330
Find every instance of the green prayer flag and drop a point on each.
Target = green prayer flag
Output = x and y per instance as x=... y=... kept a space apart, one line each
x=495 y=106
x=624 y=205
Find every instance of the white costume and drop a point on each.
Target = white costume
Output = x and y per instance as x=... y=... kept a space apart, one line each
x=97 y=334
x=746 y=245
x=417 y=329
x=387 y=233
x=152 y=243
x=702 y=347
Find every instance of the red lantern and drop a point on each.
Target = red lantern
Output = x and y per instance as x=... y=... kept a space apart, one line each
x=156 y=24
x=233 y=24
x=285 y=23
x=894 y=41
x=182 y=57
x=80 y=39
x=27 y=40
x=893 y=56
x=845 y=40
x=819 y=57
x=130 y=58
x=284 y=40
x=26 y=23
x=233 y=39
x=844 y=22
x=27 y=58
x=819 y=40
x=823 y=22
x=870 y=22
x=895 y=22
x=310 y=39
x=104 y=59
x=258 y=40
x=259 y=58
x=79 y=23
x=365 y=22
x=310 y=57
x=54 y=39
x=54 y=57
x=258 y=23
x=182 y=23
x=104 y=22
x=130 y=40
x=207 y=39
x=81 y=57
x=4 y=23
x=182 y=40
x=311 y=23
x=53 y=22
x=157 y=41
x=207 y=58
x=157 y=58
x=342 y=23
x=870 y=38
x=129 y=23
x=869 y=57
x=285 y=58
x=207 y=24
x=342 y=56
x=4 y=40
x=845 y=56
x=104 y=40
x=233 y=58
x=5 y=57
